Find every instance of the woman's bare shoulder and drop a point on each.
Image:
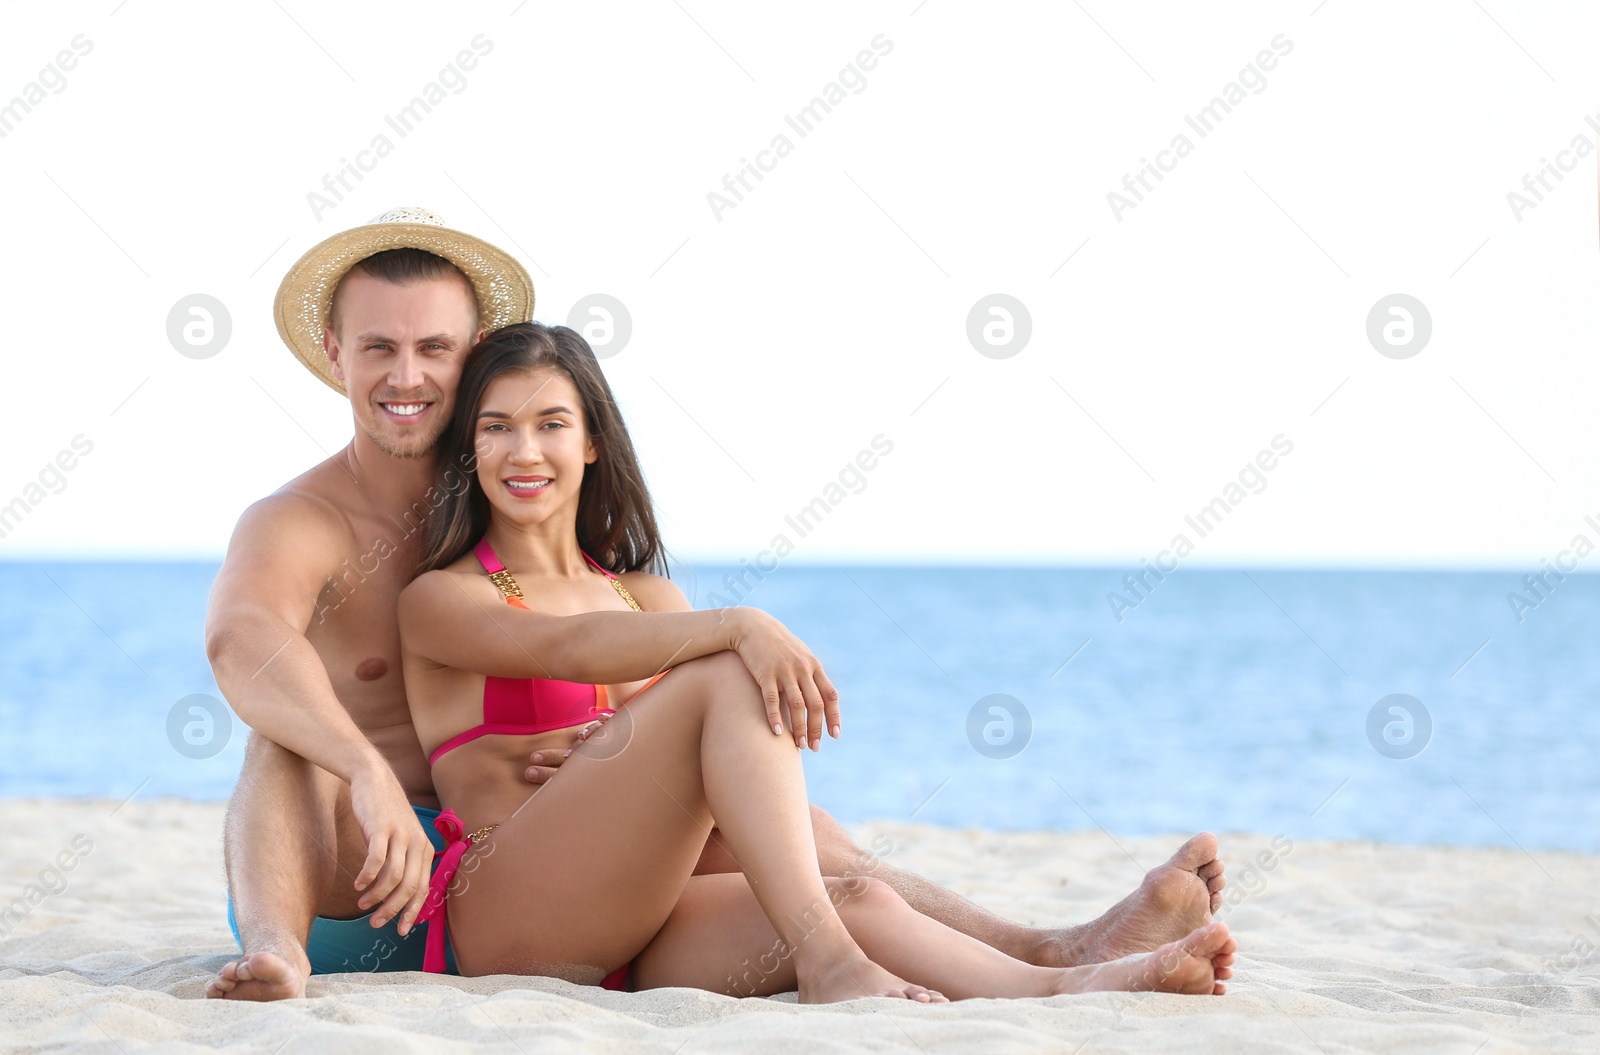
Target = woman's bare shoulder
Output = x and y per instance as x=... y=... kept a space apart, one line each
x=655 y=593
x=443 y=589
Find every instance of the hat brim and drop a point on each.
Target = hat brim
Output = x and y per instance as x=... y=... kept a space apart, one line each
x=503 y=287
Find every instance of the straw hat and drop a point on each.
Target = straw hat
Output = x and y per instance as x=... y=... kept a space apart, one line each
x=503 y=288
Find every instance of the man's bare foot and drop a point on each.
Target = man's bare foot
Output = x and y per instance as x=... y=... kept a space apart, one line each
x=260 y=976
x=1197 y=964
x=1173 y=900
x=855 y=977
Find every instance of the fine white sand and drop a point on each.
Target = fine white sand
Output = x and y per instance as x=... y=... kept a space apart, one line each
x=1343 y=947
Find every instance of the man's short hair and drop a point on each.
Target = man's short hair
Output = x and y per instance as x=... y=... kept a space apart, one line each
x=402 y=267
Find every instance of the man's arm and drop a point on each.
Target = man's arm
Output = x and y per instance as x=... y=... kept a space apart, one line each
x=260 y=606
x=256 y=620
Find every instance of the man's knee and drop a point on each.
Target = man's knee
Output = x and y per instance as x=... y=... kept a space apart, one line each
x=278 y=779
x=861 y=891
x=823 y=826
x=837 y=854
x=715 y=858
x=263 y=756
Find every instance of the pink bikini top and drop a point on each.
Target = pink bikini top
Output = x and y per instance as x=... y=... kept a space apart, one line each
x=520 y=706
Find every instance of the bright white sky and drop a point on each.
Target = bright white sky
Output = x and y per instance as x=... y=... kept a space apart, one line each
x=1170 y=341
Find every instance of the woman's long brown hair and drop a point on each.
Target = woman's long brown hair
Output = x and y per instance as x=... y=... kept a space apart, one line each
x=616 y=519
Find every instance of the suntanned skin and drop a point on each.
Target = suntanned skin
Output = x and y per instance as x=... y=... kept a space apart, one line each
x=632 y=816
x=303 y=640
x=302 y=637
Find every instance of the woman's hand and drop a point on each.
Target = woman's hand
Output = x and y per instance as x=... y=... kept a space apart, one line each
x=543 y=762
x=790 y=677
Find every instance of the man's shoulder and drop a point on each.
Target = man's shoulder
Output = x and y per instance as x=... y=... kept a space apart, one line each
x=328 y=483
x=299 y=511
x=288 y=545
x=308 y=511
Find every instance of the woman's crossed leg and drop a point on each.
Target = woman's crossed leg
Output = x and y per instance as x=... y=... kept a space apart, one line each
x=595 y=870
x=588 y=870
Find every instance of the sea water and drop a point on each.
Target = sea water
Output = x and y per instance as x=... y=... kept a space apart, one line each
x=1418 y=707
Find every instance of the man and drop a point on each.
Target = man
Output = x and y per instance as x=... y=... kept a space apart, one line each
x=327 y=841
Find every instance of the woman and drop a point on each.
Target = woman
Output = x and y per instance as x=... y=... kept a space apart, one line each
x=590 y=877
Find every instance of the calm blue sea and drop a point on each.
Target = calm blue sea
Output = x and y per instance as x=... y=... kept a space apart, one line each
x=1406 y=707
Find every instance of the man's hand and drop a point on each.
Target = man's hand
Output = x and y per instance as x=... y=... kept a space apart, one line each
x=789 y=675
x=399 y=853
x=545 y=761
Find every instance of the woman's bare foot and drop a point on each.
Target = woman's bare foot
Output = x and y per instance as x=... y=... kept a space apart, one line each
x=1198 y=964
x=260 y=976
x=854 y=977
x=1172 y=901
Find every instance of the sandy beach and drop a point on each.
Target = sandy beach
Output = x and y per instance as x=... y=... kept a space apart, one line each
x=1343 y=947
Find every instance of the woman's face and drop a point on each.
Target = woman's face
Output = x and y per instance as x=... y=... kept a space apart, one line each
x=532 y=446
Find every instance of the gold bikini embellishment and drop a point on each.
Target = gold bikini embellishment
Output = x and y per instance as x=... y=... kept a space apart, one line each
x=508 y=586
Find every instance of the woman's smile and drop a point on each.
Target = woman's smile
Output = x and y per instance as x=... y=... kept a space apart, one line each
x=527 y=486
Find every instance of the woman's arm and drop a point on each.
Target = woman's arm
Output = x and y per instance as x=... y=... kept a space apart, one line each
x=444 y=622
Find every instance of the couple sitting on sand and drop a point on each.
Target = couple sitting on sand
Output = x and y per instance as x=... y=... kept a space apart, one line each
x=462 y=662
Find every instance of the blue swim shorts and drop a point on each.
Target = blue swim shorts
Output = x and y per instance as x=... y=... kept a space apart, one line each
x=339 y=946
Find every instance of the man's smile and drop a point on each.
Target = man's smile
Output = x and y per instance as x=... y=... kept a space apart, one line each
x=406 y=412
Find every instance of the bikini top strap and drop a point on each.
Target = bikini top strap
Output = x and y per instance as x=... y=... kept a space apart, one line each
x=616 y=584
x=509 y=588
x=498 y=575
x=597 y=565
